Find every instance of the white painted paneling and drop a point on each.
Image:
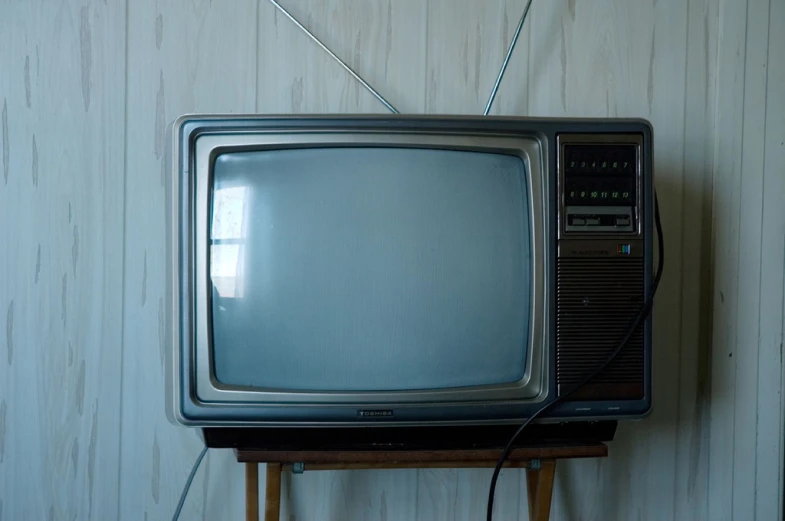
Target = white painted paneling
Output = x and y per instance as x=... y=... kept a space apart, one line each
x=82 y=232
x=62 y=93
x=748 y=290
x=383 y=41
x=595 y=59
x=466 y=46
x=692 y=441
x=769 y=443
x=739 y=191
x=182 y=57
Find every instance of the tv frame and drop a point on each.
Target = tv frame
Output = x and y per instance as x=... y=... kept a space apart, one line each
x=196 y=398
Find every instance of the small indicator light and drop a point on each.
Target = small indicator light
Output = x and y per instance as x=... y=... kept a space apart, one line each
x=623 y=249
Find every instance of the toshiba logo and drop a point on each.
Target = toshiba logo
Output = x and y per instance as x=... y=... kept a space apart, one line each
x=375 y=414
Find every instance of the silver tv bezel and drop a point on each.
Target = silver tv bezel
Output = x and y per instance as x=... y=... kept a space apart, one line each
x=194 y=383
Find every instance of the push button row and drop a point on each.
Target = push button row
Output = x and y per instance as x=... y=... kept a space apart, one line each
x=603 y=220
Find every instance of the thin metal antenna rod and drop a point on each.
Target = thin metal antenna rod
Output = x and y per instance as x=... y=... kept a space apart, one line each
x=506 y=58
x=336 y=58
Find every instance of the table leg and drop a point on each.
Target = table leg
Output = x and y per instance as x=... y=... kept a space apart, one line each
x=251 y=492
x=272 y=502
x=539 y=486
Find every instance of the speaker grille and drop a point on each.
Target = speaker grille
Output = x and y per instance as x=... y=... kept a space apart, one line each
x=597 y=300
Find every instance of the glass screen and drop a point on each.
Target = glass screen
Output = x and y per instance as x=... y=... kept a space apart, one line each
x=369 y=269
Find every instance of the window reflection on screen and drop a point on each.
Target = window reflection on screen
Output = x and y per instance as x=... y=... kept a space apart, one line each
x=228 y=240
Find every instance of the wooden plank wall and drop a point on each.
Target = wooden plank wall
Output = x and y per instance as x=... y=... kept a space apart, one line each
x=86 y=89
x=62 y=97
x=749 y=248
x=182 y=57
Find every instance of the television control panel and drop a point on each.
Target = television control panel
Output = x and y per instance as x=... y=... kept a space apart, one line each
x=600 y=265
x=599 y=185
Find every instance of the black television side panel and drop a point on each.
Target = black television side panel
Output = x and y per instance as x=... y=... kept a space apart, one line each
x=601 y=265
x=406 y=438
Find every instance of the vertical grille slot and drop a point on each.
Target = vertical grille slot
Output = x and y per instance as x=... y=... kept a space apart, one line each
x=596 y=302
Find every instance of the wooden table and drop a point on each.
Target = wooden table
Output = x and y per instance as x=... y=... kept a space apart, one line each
x=539 y=462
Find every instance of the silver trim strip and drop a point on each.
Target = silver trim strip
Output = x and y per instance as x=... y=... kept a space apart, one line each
x=532 y=387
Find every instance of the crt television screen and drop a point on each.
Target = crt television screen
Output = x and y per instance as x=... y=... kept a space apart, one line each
x=369 y=269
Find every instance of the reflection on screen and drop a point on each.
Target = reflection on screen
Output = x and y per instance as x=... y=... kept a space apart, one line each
x=227 y=240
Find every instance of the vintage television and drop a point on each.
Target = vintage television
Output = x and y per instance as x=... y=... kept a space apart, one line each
x=399 y=271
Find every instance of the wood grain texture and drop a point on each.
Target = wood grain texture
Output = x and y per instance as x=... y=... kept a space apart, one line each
x=749 y=282
x=730 y=284
x=86 y=91
x=252 y=490
x=272 y=495
x=539 y=487
x=383 y=41
x=458 y=457
x=411 y=465
x=532 y=484
x=769 y=431
x=61 y=218
x=465 y=48
x=182 y=57
x=692 y=441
